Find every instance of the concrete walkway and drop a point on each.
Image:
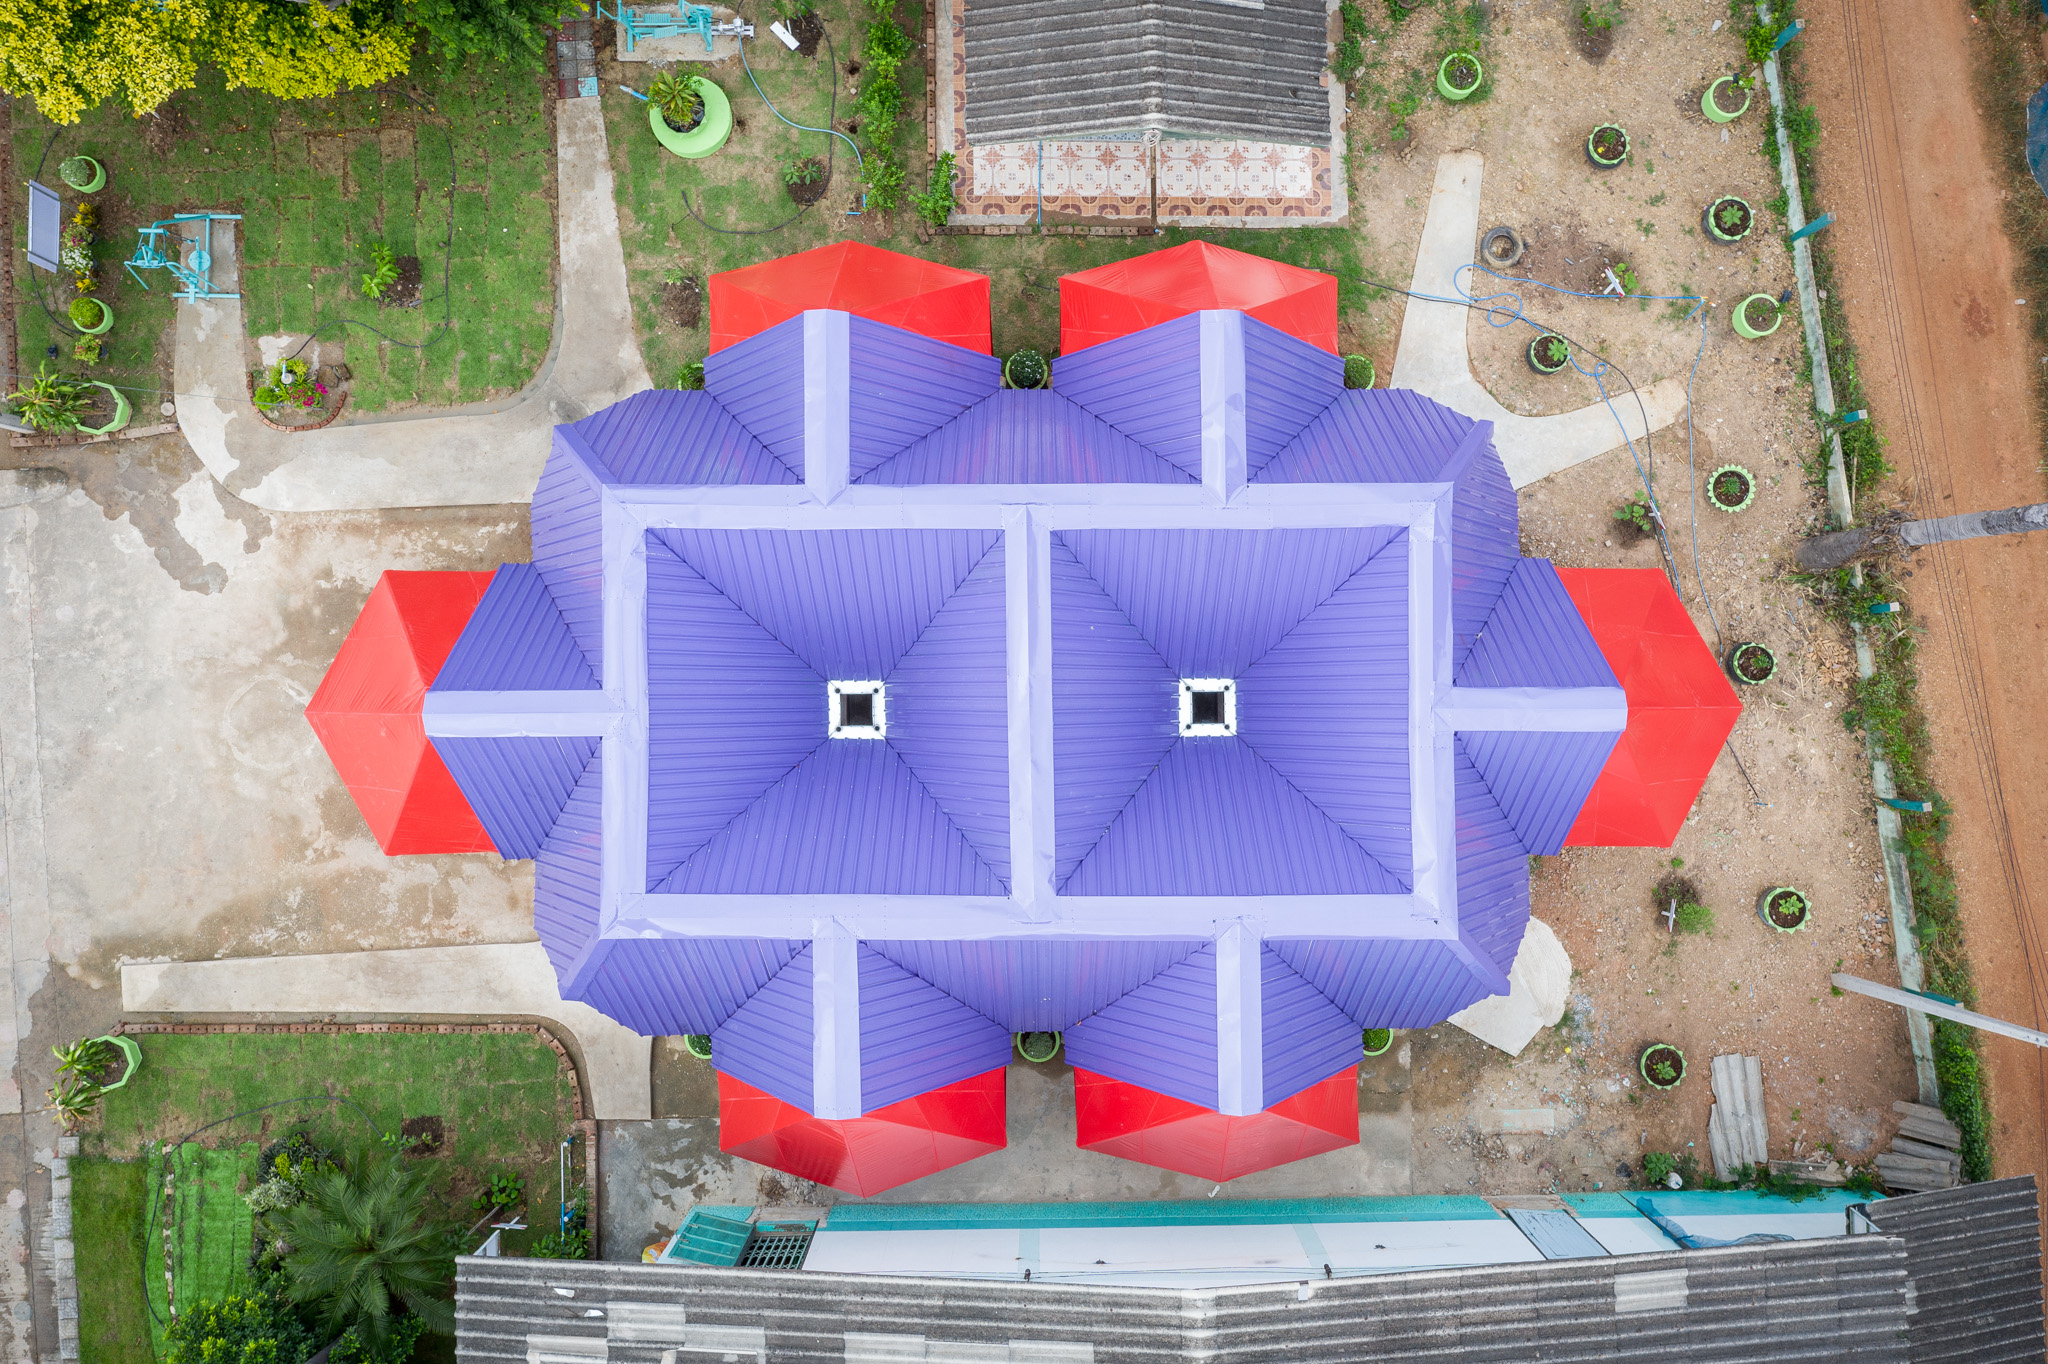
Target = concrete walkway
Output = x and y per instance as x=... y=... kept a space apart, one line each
x=472 y=457
x=494 y=981
x=1434 y=357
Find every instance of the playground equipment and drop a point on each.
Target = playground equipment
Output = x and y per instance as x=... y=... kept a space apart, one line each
x=640 y=24
x=192 y=273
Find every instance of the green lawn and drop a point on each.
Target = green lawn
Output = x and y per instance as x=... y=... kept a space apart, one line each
x=107 y=1216
x=318 y=182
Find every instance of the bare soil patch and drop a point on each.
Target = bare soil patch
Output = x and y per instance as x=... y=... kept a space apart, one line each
x=682 y=302
x=808 y=30
x=405 y=290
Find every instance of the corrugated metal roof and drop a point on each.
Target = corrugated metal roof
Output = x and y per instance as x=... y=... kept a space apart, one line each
x=1161 y=1035
x=1307 y=1037
x=515 y=641
x=1069 y=69
x=904 y=386
x=914 y=1037
x=1026 y=436
x=1845 y=1299
x=670 y=987
x=567 y=872
x=1975 y=1256
x=1493 y=868
x=568 y=547
x=760 y=381
x=1535 y=637
x=666 y=436
x=1287 y=384
x=1037 y=985
x=1147 y=385
x=1539 y=779
x=767 y=1040
x=1385 y=983
x=517 y=786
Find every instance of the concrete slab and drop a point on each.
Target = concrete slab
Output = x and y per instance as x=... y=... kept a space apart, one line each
x=1434 y=355
x=483 y=981
x=1539 y=985
x=483 y=455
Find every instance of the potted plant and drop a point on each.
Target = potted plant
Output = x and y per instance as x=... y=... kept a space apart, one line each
x=1783 y=908
x=1728 y=219
x=1731 y=487
x=51 y=403
x=1753 y=313
x=1607 y=146
x=1726 y=99
x=1377 y=1040
x=1750 y=663
x=92 y=1058
x=1358 y=372
x=89 y=350
x=1662 y=1065
x=90 y=316
x=116 y=419
x=1038 y=1047
x=82 y=173
x=1549 y=353
x=689 y=114
x=1026 y=369
x=1458 y=75
x=698 y=1045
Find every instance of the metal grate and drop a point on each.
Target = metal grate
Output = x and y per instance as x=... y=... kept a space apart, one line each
x=778 y=1245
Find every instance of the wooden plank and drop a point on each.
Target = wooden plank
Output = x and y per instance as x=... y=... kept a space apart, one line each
x=1759 y=1131
x=1925 y=1151
x=1828 y=1172
x=1887 y=1163
x=1912 y=1110
x=1942 y=1134
x=1899 y=1179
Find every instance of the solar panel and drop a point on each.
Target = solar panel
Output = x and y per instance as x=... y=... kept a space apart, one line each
x=45 y=226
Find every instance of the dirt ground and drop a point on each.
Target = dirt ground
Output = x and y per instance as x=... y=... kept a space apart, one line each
x=1947 y=359
x=1571 y=1113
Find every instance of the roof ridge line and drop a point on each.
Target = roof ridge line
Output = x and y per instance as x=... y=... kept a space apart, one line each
x=738 y=815
x=946 y=815
x=1367 y=853
x=673 y=553
x=1396 y=532
x=978 y=403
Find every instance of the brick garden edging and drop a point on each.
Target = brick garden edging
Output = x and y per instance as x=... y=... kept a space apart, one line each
x=328 y=420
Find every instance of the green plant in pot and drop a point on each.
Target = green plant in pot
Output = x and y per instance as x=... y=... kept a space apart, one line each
x=1750 y=663
x=1783 y=908
x=1607 y=146
x=1377 y=1040
x=1026 y=369
x=1359 y=372
x=90 y=316
x=1549 y=353
x=1728 y=219
x=1038 y=1047
x=1725 y=100
x=52 y=403
x=1458 y=75
x=698 y=1045
x=1731 y=488
x=1756 y=317
x=1662 y=1065
x=688 y=114
x=676 y=97
x=83 y=174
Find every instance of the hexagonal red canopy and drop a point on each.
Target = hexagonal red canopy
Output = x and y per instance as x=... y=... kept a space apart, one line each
x=1129 y=295
x=884 y=286
x=1119 y=1119
x=1681 y=708
x=893 y=1145
x=367 y=712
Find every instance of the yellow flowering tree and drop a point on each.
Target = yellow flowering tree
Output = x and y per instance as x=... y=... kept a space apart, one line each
x=69 y=55
x=306 y=51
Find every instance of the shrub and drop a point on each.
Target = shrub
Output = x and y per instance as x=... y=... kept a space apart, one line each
x=572 y=1241
x=87 y=312
x=237 y=1330
x=51 y=402
x=691 y=376
x=1694 y=917
x=936 y=204
x=1600 y=16
x=292 y=385
x=383 y=272
x=363 y=1249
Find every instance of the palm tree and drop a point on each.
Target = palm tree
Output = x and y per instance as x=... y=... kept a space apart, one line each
x=362 y=1249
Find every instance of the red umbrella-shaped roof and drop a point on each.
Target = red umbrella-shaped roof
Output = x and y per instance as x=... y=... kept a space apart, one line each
x=920 y=296
x=1127 y=1120
x=1681 y=708
x=367 y=713
x=893 y=1145
x=1129 y=295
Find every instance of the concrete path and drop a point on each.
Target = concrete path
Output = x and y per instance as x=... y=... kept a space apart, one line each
x=1435 y=359
x=495 y=981
x=484 y=455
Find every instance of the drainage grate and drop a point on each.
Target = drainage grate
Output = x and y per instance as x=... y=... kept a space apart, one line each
x=778 y=1245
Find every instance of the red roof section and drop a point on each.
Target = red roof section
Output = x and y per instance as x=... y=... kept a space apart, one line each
x=864 y=1156
x=1681 y=708
x=883 y=286
x=367 y=713
x=1129 y=295
x=1119 y=1119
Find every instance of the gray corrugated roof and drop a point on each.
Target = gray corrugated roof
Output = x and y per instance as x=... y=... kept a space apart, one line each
x=1975 y=1257
x=1090 y=68
x=1842 y=1300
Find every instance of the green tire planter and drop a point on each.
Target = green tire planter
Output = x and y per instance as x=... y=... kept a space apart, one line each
x=1537 y=353
x=1784 y=902
x=130 y=1052
x=84 y=184
x=1359 y=372
x=106 y=321
x=1665 y=1053
x=1038 y=1047
x=1713 y=111
x=1731 y=487
x=1751 y=664
x=1739 y=319
x=1593 y=152
x=1443 y=77
x=711 y=131
x=1027 y=369
x=698 y=1045
x=1710 y=219
x=1377 y=1040
x=122 y=412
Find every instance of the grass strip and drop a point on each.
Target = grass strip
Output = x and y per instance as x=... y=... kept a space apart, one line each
x=107 y=1201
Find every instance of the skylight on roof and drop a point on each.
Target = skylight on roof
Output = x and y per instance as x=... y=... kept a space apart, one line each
x=856 y=710
x=1208 y=707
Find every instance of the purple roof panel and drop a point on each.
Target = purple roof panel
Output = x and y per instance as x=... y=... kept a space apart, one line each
x=851 y=819
x=516 y=640
x=767 y=1040
x=568 y=547
x=905 y=385
x=668 y=987
x=1386 y=983
x=1161 y=1035
x=1307 y=1038
x=663 y=436
x=760 y=382
x=516 y=786
x=1539 y=779
x=1535 y=637
x=1147 y=385
x=1373 y=435
x=1287 y=382
x=731 y=711
x=1025 y=436
x=948 y=710
x=1493 y=870
x=1217 y=819
x=847 y=602
x=1038 y=984
x=567 y=872
x=914 y=1037
x=1485 y=544
x=1327 y=706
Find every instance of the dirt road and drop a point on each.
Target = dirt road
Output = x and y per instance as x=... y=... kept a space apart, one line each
x=1927 y=272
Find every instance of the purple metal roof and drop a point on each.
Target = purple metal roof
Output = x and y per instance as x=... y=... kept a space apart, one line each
x=1037 y=984
x=517 y=785
x=1288 y=383
x=664 y=436
x=767 y=1041
x=761 y=383
x=670 y=987
x=516 y=640
x=1027 y=436
x=568 y=547
x=1161 y=1035
x=1387 y=983
x=1535 y=637
x=1493 y=868
x=567 y=873
x=1147 y=385
x=1307 y=1037
x=904 y=386
x=914 y=1037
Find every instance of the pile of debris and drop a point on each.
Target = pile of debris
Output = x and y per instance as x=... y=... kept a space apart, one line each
x=1923 y=1155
